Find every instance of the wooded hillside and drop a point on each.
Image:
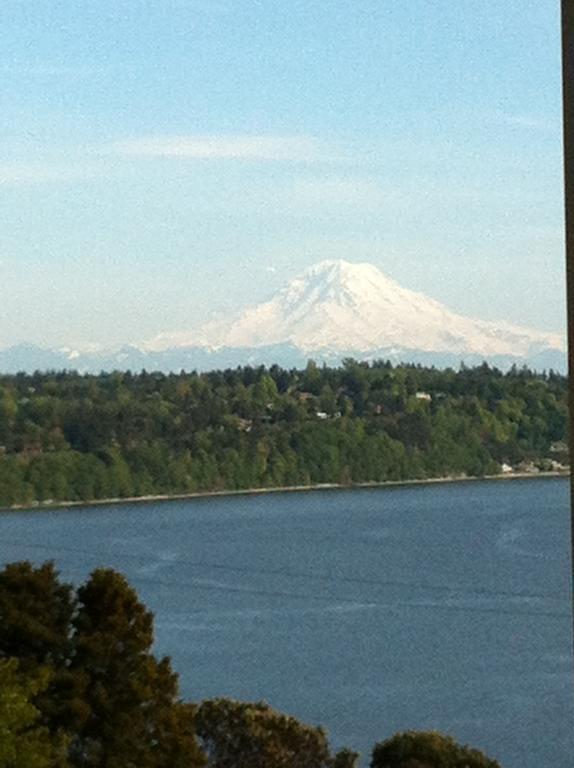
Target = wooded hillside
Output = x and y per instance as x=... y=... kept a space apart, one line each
x=66 y=436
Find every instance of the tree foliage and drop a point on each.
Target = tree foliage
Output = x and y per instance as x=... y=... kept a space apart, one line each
x=65 y=436
x=428 y=749
x=24 y=741
x=36 y=612
x=235 y=734
x=83 y=690
x=116 y=703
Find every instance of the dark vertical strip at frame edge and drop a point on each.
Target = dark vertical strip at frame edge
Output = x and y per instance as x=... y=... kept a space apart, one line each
x=568 y=134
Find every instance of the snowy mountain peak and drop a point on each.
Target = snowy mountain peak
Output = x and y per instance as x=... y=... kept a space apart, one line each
x=331 y=310
x=345 y=272
x=340 y=282
x=342 y=306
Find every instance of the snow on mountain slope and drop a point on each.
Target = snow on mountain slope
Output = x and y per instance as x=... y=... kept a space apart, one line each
x=337 y=305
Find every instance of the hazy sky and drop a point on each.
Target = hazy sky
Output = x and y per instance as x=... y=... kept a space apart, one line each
x=162 y=160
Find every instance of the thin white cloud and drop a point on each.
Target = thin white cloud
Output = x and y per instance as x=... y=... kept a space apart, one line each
x=542 y=123
x=286 y=148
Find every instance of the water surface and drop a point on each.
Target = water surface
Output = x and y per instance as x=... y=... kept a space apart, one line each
x=369 y=611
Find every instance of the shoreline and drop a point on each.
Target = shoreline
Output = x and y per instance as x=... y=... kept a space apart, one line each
x=154 y=498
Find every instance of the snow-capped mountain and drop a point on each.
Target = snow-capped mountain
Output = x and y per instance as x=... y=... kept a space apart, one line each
x=340 y=306
x=332 y=310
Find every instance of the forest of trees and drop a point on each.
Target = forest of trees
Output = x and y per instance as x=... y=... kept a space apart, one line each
x=67 y=436
x=80 y=688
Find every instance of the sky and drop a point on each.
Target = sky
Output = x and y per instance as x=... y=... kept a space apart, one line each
x=163 y=162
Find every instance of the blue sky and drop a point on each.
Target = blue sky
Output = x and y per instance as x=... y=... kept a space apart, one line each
x=162 y=161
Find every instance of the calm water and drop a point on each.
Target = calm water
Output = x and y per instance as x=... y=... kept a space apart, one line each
x=369 y=611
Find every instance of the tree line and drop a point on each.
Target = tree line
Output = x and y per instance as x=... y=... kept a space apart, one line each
x=81 y=688
x=68 y=436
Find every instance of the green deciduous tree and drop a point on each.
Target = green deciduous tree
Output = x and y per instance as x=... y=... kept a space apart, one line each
x=427 y=749
x=236 y=734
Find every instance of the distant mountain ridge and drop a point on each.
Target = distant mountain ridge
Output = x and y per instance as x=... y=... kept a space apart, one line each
x=334 y=309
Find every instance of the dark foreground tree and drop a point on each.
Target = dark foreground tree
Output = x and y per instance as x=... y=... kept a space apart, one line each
x=345 y=758
x=133 y=717
x=24 y=741
x=117 y=704
x=430 y=749
x=36 y=612
x=236 y=734
x=80 y=688
x=35 y=615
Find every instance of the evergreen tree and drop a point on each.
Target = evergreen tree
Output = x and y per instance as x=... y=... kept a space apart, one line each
x=131 y=697
x=35 y=614
x=24 y=741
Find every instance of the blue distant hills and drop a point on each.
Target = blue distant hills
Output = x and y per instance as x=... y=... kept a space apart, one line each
x=29 y=358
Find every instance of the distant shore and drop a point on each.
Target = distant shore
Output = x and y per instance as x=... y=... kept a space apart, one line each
x=51 y=505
